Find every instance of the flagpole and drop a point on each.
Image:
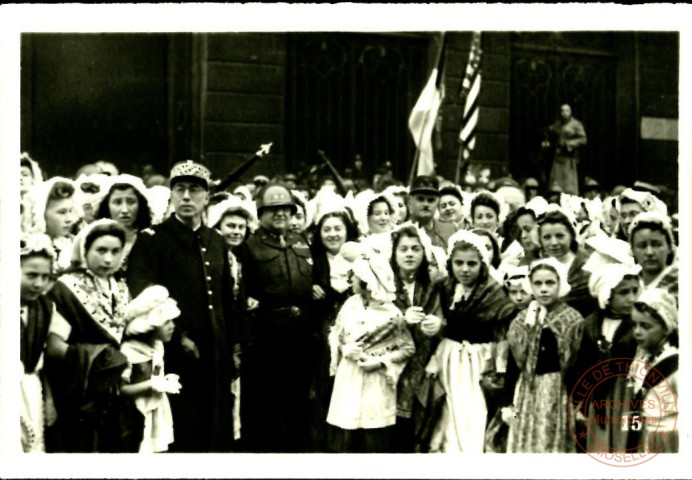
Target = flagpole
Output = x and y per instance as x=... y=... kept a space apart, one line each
x=416 y=158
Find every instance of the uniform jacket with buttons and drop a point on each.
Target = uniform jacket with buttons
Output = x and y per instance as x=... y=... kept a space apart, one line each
x=193 y=266
x=277 y=269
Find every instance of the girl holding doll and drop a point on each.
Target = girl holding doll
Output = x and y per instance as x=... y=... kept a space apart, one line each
x=544 y=340
x=370 y=346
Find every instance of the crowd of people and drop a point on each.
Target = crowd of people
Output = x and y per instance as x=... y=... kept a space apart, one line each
x=161 y=315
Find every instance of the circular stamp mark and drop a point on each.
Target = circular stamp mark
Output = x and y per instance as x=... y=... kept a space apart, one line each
x=623 y=411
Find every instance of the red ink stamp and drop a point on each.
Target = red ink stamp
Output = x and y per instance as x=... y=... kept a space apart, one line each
x=623 y=411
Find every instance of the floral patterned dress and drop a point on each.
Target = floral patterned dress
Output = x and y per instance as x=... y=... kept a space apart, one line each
x=544 y=348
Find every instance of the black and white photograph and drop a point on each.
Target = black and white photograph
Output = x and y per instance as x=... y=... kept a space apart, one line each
x=319 y=237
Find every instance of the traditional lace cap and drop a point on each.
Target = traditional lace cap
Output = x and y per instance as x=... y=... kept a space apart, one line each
x=372 y=268
x=33 y=166
x=362 y=202
x=189 y=168
x=562 y=271
x=37 y=198
x=513 y=276
x=607 y=250
x=158 y=197
x=233 y=204
x=79 y=246
x=473 y=239
x=425 y=240
x=326 y=201
x=538 y=205
x=648 y=201
x=36 y=243
x=663 y=303
x=606 y=278
x=152 y=308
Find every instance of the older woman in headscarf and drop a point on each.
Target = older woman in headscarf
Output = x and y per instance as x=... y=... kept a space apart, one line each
x=477 y=313
x=544 y=340
x=55 y=213
x=370 y=346
x=653 y=246
x=84 y=364
x=126 y=202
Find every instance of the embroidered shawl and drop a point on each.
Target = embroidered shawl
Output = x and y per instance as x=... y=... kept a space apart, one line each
x=106 y=309
x=525 y=332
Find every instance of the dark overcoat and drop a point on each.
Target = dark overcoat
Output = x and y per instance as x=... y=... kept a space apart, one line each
x=193 y=266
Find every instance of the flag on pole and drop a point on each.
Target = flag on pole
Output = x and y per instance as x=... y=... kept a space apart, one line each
x=470 y=88
x=421 y=122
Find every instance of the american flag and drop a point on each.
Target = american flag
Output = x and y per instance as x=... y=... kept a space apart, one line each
x=470 y=88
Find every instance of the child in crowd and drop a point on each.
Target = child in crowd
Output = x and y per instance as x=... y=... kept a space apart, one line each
x=147 y=411
x=608 y=334
x=654 y=374
x=370 y=346
x=36 y=262
x=544 y=340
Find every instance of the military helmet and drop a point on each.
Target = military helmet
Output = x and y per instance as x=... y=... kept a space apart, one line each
x=274 y=195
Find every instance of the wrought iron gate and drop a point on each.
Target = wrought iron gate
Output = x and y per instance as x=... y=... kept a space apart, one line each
x=544 y=76
x=351 y=94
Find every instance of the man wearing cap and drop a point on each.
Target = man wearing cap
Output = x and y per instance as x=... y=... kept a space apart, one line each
x=423 y=198
x=277 y=265
x=191 y=261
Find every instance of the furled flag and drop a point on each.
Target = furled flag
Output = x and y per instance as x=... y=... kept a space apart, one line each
x=470 y=88
x=421 y=122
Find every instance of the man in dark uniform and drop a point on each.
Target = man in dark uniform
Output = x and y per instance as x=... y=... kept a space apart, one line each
x=423 y=198
x=191 y=261
x=277 y=267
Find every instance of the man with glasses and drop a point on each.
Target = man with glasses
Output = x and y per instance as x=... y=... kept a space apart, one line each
x=191 y=261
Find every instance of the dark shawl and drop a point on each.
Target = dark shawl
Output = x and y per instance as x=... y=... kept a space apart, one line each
x=483 y=317
x=428 y=297
x=35 y=332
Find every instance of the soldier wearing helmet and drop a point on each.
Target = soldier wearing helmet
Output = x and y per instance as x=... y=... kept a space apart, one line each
x=277 y=339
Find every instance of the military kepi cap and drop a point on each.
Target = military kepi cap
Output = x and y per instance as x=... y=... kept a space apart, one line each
x=427 y=184
x=191 y=171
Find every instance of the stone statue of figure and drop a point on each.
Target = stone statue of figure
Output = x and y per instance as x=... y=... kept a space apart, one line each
x=567 y=136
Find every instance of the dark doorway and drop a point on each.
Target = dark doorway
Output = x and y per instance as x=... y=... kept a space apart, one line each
x=88 y=97
x=547 y=72
x=352 y=94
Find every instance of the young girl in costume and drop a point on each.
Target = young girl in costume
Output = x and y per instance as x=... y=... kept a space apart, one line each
x=654 y=374
x=477 y=313
x=84 y=363
x=419 y=300
x=370 y=345
x=608 y=334
x=149 y=319
x=544 y=340
x=36 y=262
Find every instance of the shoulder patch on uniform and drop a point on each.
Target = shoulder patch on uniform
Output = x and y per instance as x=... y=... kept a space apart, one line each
x=148 y=231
